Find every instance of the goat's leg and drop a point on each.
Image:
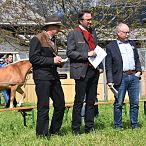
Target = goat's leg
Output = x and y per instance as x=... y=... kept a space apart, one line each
x=19 y=90
x=12 y=95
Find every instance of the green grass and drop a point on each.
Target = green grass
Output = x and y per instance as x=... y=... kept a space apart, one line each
x=13 y=133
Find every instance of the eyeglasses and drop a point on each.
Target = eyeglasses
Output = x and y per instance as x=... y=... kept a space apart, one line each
x=125 y=31
x=88 y=20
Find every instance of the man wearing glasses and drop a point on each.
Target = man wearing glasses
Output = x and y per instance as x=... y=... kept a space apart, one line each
x=123 y=71
x=81 y=43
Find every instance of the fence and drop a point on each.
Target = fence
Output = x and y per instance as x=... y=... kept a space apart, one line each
x=103 y=92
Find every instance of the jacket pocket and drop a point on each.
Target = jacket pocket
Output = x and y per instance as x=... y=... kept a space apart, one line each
x=76 y=65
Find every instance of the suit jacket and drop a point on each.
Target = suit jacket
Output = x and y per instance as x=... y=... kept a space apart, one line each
x=114 y=62
x=41 y=55
x=77 y=51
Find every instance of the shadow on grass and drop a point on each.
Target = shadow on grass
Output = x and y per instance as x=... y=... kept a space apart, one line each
x=99 y=125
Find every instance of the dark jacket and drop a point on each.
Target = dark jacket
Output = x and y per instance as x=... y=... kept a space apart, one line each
x=114 y=62
x=77 y=51
x=41 y=55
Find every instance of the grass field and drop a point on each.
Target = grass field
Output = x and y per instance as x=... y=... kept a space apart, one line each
x=13 y=133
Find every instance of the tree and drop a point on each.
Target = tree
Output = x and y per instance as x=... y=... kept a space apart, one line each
x=25 y=17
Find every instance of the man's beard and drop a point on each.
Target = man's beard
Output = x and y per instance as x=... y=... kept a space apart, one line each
x=89 y=29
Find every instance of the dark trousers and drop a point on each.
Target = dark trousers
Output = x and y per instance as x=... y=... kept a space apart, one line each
x=44 y=90
x=129 y=83
x=88 y=87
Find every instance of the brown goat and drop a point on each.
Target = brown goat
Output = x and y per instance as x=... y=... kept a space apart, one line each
x=13 y=77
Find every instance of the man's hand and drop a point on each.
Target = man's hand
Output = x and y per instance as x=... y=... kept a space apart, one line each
x=100 y=71
x=92 y=54
x=57 y=59
x=138 y=74
x=110 y=85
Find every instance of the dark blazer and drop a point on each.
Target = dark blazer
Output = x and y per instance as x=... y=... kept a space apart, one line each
x=114 y=62
x=77 y=51
x=41 y=55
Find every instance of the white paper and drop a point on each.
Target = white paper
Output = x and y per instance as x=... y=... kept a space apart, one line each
x=64 y=60
x=100 y=55
x=115 y=92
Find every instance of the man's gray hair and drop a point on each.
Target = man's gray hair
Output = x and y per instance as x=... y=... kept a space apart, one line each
x=118 y=27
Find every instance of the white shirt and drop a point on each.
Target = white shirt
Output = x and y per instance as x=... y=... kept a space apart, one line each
x=82 y=27
x=127 y=55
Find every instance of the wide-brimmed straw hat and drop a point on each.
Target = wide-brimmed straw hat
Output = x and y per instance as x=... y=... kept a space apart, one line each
x=52 y=20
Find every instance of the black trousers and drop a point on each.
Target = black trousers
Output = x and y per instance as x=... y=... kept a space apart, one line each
x=88 y=87
x=44 y=90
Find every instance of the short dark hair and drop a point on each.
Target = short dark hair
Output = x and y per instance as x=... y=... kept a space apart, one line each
x=80 y=14
x=7 y=55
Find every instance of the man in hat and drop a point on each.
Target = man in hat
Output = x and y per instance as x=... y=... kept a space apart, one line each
x=45 y=60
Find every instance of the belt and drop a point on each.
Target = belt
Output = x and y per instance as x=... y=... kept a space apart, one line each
x=129 y=72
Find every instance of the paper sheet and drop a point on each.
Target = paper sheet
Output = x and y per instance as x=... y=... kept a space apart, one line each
x=63 y=61
x=95 y=61
x=115 y=92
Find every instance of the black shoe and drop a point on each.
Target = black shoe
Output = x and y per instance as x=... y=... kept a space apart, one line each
x=76 y=133
x=135 y=127
x=7 y=106
x=42 y=136
x=89 y=130
x=120 y=128
x=56 y=133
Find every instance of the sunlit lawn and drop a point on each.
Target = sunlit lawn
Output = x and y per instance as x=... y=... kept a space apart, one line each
x=13 y=133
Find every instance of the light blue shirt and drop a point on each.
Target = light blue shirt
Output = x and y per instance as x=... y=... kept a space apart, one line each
x=4 y=64
x=127 y=55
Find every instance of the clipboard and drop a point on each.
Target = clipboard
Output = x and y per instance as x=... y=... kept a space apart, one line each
x=115 y=92
x=100 y=55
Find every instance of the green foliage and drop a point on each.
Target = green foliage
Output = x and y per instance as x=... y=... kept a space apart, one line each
x=106 y=16
x=13 y=133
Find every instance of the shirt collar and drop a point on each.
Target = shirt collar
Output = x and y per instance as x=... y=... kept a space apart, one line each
x=82 y=27
x=125 y=42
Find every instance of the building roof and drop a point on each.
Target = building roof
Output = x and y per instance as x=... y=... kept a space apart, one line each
x=11 y=47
